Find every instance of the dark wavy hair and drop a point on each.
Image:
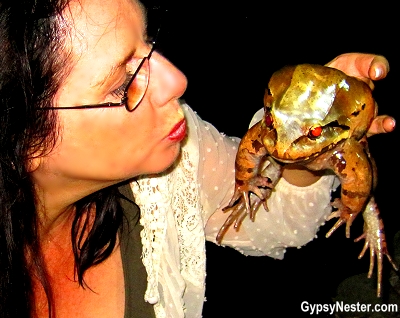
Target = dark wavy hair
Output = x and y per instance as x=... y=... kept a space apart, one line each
x=32 y=66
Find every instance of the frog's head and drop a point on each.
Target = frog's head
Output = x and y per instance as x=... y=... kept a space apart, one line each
x=311 y=108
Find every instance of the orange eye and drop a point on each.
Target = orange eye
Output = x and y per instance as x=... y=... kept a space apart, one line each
x=315 y=132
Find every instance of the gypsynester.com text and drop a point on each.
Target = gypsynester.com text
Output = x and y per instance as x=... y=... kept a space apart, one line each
x=340 y=306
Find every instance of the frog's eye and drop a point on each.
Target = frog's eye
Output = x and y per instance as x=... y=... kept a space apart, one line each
x=315 y=132
x=268 y=119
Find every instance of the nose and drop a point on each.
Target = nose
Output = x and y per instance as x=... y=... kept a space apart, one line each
x=166 y=82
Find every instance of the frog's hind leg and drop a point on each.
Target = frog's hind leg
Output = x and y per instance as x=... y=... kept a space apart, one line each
x=375 y=240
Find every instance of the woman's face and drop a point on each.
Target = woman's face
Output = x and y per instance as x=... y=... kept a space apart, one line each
x=108 y=145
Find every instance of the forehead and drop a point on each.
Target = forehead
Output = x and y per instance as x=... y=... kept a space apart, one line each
x=95 y=12
x=103 y=27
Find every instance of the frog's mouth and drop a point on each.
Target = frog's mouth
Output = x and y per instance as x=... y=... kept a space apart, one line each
x=287 y=158
x=307 y=146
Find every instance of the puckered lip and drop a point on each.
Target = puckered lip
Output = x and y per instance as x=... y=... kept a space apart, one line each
x=178 y=132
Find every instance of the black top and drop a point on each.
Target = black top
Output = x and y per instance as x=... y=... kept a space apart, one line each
x=135 y=275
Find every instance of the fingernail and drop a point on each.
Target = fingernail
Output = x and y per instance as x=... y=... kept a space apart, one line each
x=378 y=73
x=392 y=124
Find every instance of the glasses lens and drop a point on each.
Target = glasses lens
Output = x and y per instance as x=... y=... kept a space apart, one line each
x=137 y=88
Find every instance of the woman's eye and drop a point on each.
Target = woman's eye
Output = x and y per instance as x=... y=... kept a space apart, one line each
x=120 y=91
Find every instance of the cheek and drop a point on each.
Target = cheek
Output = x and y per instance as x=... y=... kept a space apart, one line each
x=95 y=143
x=95 y=135
x=112 y=144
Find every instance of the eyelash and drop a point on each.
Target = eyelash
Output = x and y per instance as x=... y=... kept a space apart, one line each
x=119 y=92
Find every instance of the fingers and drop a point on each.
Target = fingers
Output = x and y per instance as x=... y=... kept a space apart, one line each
x=367 y=67
x=381 y=124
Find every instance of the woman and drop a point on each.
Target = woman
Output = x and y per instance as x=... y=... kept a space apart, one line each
x=90 y=112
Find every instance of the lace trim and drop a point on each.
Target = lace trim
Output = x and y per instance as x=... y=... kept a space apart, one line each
x=189 y=222
x=150 y=194
x=175 y=191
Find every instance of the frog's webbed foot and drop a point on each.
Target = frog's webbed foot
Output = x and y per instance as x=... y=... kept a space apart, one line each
x=345 y=216
x=241 y=196
x=239 y=212
x=250 y=194
x=375 y=240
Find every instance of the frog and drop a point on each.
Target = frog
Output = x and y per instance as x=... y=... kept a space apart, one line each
x=315 y=117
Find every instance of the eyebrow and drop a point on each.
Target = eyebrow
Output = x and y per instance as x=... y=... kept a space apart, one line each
x=129 y=56
x=114 y=68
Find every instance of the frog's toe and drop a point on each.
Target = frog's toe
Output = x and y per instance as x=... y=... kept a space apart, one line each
x=375 y=241
x=237 y=215
x=335 y=227
x=334 y=214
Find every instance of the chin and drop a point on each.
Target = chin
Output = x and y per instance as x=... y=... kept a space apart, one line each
x=168 y=159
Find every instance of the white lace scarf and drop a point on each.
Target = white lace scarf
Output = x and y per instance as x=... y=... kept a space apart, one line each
x=173 y=192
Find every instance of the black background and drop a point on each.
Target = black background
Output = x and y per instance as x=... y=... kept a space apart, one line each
x=228 y=53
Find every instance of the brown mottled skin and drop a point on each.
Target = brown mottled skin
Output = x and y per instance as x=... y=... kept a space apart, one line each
x=316 y=117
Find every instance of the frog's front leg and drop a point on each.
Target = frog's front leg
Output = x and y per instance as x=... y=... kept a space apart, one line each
x=247 y=167
x=249 y=179
x=352 y=165
x=375 y=240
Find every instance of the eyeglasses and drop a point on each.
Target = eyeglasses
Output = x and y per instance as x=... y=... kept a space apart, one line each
x=134 y=90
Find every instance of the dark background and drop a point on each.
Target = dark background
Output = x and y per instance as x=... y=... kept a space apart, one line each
x=228 y=52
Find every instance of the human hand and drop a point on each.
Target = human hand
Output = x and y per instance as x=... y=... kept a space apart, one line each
x=368 y=68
